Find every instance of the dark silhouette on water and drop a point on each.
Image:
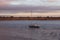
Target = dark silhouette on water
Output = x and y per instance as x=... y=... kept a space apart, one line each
x=34 y=26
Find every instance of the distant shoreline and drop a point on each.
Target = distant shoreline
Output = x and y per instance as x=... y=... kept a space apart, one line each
x=29 y=18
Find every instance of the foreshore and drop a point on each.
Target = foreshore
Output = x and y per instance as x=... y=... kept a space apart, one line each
x=29 y=18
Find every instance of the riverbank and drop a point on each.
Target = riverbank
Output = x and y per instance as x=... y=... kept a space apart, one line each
x=29 y=18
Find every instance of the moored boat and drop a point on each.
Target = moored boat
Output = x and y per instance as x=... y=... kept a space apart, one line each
x=34 y=26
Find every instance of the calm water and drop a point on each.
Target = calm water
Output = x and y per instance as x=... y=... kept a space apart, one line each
x=21 y=31
x=51 y=24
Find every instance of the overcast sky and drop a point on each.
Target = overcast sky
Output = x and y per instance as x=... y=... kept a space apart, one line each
x=38 y=7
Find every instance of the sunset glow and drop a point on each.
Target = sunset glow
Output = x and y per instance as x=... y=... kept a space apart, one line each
x=39 y=7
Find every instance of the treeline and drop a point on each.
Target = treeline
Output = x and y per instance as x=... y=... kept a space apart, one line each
x=29 y=18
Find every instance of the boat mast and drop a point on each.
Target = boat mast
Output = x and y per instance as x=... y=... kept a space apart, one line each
x=31 y=16
x=31 y=12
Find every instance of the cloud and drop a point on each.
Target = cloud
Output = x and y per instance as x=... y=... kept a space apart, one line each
x=28 y=5
x=24 y=7
x=32 y=2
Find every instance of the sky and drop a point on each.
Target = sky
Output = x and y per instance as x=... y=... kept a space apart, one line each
x=25 y=7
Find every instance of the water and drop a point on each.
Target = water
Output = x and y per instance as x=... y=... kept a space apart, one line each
x=50 y=24
x=19 y=30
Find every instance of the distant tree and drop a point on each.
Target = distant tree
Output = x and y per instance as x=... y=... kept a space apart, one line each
x=3 y=16
x=0 y=16
x=11 y=16
x=47 y=16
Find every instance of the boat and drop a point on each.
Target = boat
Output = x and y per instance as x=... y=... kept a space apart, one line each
x=34 y=26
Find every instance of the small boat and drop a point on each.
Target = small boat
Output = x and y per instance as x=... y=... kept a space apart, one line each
x=34 y=26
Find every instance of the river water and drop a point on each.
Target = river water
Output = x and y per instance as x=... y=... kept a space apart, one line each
x=25 y=23
x=19 y=30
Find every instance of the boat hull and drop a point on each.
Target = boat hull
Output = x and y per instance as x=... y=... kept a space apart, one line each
x=34 y=27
